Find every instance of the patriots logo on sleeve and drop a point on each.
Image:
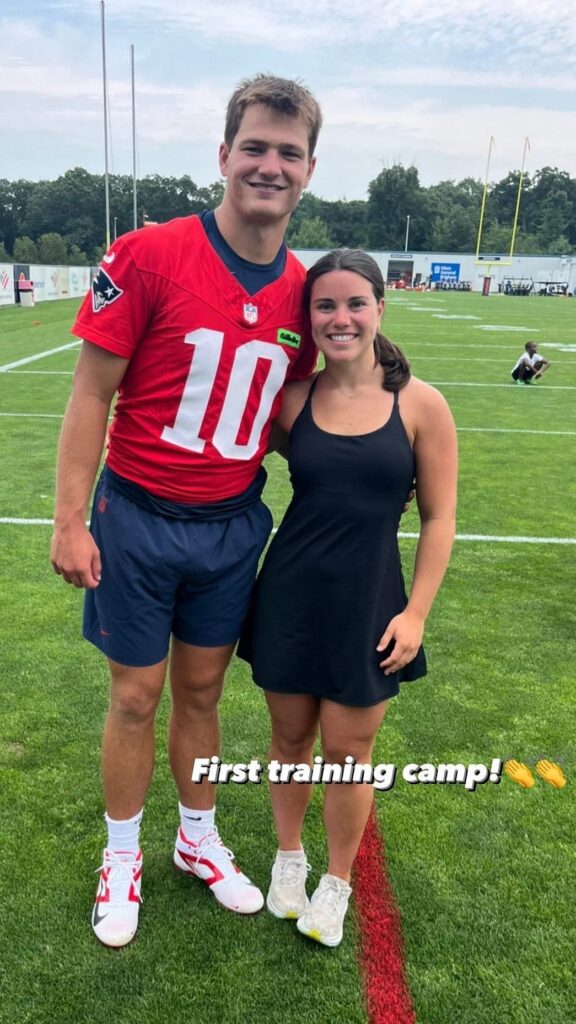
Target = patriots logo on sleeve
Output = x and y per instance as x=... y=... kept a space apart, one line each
x=104 y=291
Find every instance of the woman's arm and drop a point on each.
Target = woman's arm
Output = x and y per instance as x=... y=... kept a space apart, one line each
x=435 y=450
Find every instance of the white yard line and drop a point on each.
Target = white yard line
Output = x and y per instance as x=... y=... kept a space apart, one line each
x=464 y=359
x=39 y=355
x=54 y=373
x=464 y=346
x=483 y=538
x=8 y=521
x=488 y=539
x=513 y=430
x=511 y=387
x=468 y=430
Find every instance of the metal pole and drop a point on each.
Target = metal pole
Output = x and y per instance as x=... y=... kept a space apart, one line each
x=134 y=192
x=104 y=86
x=517 y=211
x=115 y=232
x=484 y=194
x=407 y=232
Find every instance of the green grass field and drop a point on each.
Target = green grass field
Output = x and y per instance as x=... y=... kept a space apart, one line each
x=484 y=880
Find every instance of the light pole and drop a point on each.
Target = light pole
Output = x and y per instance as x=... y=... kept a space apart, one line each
x=105 y=92
x=115 y=233
x=407 y=232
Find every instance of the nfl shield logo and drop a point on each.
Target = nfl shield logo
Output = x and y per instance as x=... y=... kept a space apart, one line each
x=250 y=313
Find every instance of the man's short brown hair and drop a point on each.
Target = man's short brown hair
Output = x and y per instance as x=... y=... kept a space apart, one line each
x=283 y=95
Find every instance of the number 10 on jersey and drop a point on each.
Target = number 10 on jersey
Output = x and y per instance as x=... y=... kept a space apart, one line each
x=185 y=433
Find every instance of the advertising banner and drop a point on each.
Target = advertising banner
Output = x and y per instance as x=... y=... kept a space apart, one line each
x=63 y=277
x=38 y=276
x=51 y=279
x=449 y=272
x=7 y=297
x=79 y=282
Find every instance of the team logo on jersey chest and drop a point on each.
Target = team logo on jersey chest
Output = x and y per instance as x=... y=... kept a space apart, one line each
x=250 y=313
x=104 y=291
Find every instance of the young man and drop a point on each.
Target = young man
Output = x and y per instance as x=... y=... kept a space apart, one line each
x=530 y=366
x=196 y=324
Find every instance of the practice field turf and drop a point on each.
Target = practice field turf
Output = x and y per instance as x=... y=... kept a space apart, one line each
x=484 y=879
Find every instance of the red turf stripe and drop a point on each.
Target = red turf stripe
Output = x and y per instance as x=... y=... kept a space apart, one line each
x=381 y=948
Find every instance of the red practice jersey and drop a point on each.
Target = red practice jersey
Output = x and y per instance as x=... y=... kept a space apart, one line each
x=207 y=360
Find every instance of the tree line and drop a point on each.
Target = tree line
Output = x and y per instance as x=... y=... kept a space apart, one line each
x=63 y=221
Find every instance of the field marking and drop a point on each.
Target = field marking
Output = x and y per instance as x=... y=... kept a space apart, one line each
x=514 y=430
x=482 y=537
x=439 y=359
x=492 y=539
x=382 y=959
x=506 y=327
x=52 y=373
x=472 y=430
x=8 y=521
x=463 y=346
x=39 y=355
x=475 y=384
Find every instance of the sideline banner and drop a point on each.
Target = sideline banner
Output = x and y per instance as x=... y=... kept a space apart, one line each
x=7 y=297
x=38 y=276
x=79 y=282
x=449 y=272
x=63 y=278
x=51 y=277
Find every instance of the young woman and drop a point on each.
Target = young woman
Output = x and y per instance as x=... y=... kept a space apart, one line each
x=333 y=633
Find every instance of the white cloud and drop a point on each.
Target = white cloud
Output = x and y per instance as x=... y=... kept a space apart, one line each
x=520 y=26
x=421 y=82
x=451 y=78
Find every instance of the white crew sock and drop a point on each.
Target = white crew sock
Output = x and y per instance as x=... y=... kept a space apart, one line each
x=123 y=836
x=195 y=824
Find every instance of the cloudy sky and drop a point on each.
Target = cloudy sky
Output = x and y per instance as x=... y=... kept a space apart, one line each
x=423 y=81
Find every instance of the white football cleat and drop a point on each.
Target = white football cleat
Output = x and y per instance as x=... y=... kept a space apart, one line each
x=211 y=861
x=118 y=899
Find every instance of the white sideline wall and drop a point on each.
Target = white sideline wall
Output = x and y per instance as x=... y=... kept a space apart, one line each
x=557 y=269
x=52 y=283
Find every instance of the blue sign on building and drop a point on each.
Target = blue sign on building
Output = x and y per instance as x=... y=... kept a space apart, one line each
x=445 y=272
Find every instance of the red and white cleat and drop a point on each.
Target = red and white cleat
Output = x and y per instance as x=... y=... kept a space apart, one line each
x=118 y=899
x=211 y=861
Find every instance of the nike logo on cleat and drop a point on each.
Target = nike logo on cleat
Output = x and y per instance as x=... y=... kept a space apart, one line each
x=97 y=918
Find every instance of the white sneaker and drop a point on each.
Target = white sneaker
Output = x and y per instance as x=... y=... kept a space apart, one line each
x=115 y=913
x=287 y=893
x=211 y=861
x=324 y=918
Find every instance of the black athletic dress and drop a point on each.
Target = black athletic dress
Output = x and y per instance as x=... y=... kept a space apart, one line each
x=332 y=578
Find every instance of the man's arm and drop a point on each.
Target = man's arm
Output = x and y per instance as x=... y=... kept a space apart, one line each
x=540 y=365
x=98 y=374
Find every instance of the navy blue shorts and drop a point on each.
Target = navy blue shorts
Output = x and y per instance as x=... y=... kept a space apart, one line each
x=164 y=575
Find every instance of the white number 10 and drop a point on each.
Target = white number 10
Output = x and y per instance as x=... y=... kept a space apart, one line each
x=205 y=361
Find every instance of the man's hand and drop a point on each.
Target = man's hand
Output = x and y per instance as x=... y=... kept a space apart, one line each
x=405 y=633
x=75 y=556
